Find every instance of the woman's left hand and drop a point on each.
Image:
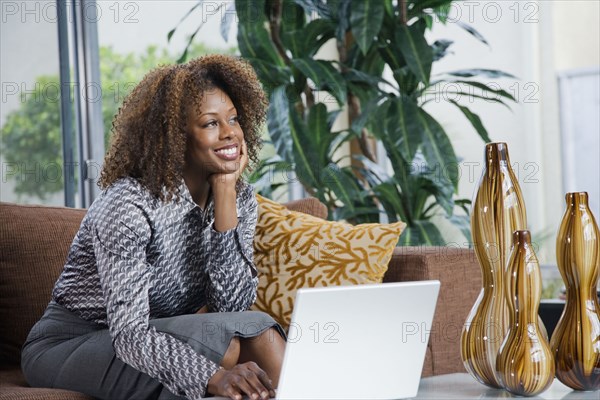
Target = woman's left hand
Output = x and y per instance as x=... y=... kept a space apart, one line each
x=231 y=177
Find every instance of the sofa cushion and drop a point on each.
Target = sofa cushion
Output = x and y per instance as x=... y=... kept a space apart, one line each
x=294 y=250
x=34 y=243
x=308 y=205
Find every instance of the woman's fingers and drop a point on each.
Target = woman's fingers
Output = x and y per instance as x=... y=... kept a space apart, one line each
x=246 y=388
x=264 y=379
x=243 y=379
x=254 y=381
x=243 y=157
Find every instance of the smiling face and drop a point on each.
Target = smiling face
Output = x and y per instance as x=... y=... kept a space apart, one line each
x=214 y=136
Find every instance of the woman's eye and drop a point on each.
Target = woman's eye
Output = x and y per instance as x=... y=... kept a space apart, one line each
x=233 y=120
x=210 y=123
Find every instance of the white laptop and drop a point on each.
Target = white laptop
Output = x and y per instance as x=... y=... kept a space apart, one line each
x=358 y=342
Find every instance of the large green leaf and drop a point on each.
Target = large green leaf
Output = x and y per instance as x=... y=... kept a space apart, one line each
x=294 y=41
x=374 y=173
x=293 y=16
x=264 y=176
x=388 y=46
x=438 y=151
x=421 y=232
x=372 y=63
x=324 y=75
x=305 y=156
x=366 y=18
x=424 y=182
x=379 y=127
x=389 y=196
x=367 y=112
x=400 y=165
x=253 y=37
x=278 y=123
x=250 y=12
x=317 y=33
x=403 y=126
x=389 y=7
x=307 y=41
x=485 y=89
x=296 y=34
x=255 y=43
x=416 y=51
x=407 y=81
x=345 y=187
x=433 y=93
x=271 y=75
x=339 y=138
x=391 y=54
x=319 y=131
x=474 y=120
x=356 y=76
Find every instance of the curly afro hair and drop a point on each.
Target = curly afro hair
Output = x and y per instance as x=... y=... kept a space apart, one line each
x=149 y=131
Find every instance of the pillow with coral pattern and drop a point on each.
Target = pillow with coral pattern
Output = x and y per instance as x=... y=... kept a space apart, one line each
x=294 y=250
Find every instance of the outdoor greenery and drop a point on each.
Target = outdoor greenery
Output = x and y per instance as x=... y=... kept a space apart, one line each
x=31 y=135
x=381 y=76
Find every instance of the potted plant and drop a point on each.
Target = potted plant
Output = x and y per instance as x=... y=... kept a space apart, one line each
x=281 y=38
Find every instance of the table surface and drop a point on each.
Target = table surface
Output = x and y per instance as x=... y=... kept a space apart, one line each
x=464 y=387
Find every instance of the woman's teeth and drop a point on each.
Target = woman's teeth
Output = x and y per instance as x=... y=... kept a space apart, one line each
x=228 y=152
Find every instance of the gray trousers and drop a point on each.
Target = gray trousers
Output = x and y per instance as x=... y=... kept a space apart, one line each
x=63 y=351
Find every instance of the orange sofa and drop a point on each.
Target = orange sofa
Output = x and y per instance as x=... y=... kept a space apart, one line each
x=34 y=241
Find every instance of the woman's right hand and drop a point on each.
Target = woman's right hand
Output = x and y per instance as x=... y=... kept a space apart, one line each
x=243 y=379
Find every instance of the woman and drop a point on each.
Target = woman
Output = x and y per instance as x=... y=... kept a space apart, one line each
x=152 y=300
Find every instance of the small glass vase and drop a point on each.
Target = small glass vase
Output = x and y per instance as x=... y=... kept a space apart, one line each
x=498 y=210
x=525 y=364
x=576 y=339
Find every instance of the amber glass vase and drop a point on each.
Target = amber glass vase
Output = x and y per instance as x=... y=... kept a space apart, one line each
x=498 y=211
x=576 y=339
x=525 y=365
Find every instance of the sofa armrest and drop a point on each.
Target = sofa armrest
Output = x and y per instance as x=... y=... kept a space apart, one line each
x=460 y=282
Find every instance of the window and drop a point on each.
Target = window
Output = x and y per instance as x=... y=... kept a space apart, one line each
x=31 y=146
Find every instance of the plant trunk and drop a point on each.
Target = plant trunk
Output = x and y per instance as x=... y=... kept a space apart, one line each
x=403 y=12
x=362 y=144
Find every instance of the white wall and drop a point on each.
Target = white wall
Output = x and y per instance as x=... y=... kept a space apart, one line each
x=576 y=35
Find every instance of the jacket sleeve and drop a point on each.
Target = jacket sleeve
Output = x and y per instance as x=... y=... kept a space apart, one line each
x=121 y=233
x=232 y=278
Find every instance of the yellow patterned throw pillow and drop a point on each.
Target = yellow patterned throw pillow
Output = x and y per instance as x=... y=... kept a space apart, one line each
x=294 y=250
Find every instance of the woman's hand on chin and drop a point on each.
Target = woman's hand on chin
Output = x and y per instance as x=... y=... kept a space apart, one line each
x=229 y=178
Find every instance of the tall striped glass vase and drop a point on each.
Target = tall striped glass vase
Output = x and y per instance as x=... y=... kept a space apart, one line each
x=525 y=364
x=498 y=210
x=576 y=339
